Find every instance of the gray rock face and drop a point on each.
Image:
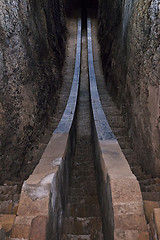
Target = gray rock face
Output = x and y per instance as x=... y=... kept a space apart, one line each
x=32 y=48
x=129 y=34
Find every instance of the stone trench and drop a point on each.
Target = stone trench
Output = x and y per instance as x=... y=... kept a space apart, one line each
x=79 y=160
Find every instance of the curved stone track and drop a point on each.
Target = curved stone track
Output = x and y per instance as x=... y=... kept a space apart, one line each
x=82 y=218
x=150 y=187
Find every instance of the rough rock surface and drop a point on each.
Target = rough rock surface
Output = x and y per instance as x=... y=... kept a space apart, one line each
x=32 y=48
x=129 y=33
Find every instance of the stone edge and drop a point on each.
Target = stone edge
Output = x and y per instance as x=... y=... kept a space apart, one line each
x=119 y=191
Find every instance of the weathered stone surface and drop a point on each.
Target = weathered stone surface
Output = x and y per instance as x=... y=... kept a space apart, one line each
x=30 y=207
x=52 y=157
x=20 y=231
x=125 y=190
x=128 y=208
x=116 y=164
x=129 y=38
x=130 y=235
x=130 y=222
x=7 y=221
x=38 y=228
x=32 y=47
x=157 y=221
x=155 y=224
x=21 y=227
x=149 y=207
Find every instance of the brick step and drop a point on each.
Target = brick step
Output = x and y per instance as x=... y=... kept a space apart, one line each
x=137 y=170
x=85 y=166
x=81 y=159
x=37 y=154
x=118 y=132
x=46 y=137
x=42 y=146
x=82 y=210
x=7 y=221
x=128 y=152
x=149 y=208
x=124 y=144
x=83 y=169
x=81 y=237
x=83 y=226
x=75 y=237
x=79 y=183
x=108 y=104
x=83 y=200
x=150 y=188
x=132 y=160
x=143 y=177
x=151 y=196
x=11 y=188
x=147 y=182
x=154 y=225
x=9 y=196
x=113 y=111
x=83 y=176
x=115 y=121
x=8 y=207
x=83 y=191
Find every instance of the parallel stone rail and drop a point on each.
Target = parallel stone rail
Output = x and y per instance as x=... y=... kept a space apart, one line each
x=44 y=193
x=120 y=195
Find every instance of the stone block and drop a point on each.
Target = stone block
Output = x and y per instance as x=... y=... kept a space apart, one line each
x=125 y=190
x=120 y=234
x=20 y=231
x=143 y=236
x=15 y=208
x=130 y=222
x=114 y=159
x=23 y=220
x=149 y=207
x=157 y=221
x=38 y=228
x=155 y=224
x=21 y=227
x=30 y=207
x=128 y=208
x=7 y=221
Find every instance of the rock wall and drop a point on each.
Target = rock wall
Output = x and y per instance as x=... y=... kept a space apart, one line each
x=129 y=35
x=32 y=49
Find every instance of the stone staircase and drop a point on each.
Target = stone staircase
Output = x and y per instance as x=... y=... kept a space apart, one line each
x=82 y=218
x=9 y=200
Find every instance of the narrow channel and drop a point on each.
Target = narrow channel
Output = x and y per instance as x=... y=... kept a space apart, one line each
x=82 y=217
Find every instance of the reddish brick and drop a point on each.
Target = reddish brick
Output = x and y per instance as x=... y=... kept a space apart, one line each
x=38 y=228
